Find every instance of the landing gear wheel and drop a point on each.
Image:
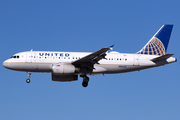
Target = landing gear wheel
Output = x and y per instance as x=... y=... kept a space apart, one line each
x=28 y=80
x=85 y=81
x=84 y=84
x=29 y=75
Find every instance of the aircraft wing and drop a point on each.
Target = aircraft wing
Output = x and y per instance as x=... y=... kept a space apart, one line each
x=92 y=58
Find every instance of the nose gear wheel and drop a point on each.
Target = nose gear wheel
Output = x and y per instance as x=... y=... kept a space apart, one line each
x=29 y=75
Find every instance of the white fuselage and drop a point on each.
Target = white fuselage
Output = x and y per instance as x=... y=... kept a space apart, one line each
x=67 y=66
x=114 y=62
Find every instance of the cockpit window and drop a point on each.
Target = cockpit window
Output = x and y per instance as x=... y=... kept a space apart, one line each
x=14 y=56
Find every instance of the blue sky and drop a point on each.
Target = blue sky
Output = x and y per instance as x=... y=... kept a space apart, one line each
x=82 y=25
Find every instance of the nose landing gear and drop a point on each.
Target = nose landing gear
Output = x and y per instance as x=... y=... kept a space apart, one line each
x=29 y=75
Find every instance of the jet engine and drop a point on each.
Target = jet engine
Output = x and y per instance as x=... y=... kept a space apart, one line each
x=63 y=69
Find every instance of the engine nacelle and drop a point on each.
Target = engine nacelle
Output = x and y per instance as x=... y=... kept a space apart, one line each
x=63 y=68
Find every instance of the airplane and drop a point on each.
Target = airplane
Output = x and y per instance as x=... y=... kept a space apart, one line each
x=67 y=66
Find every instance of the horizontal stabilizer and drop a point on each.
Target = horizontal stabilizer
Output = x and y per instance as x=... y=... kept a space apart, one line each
x=161 y=58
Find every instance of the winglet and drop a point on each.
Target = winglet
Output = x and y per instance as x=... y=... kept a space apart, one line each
x=111 y=47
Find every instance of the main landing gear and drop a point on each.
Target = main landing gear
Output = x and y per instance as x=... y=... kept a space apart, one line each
x=85 y=81
x=29 y=75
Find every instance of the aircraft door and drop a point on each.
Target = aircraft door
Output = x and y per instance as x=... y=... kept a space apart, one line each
x=136 y=60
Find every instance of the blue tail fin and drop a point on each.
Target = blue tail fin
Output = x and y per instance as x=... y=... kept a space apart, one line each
x=158 y=44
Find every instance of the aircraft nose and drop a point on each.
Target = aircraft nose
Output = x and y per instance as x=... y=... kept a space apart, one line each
x=5 y=64
x=9 y=65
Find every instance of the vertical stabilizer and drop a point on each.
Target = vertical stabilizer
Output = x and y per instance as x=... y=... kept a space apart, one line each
x=158 y=44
